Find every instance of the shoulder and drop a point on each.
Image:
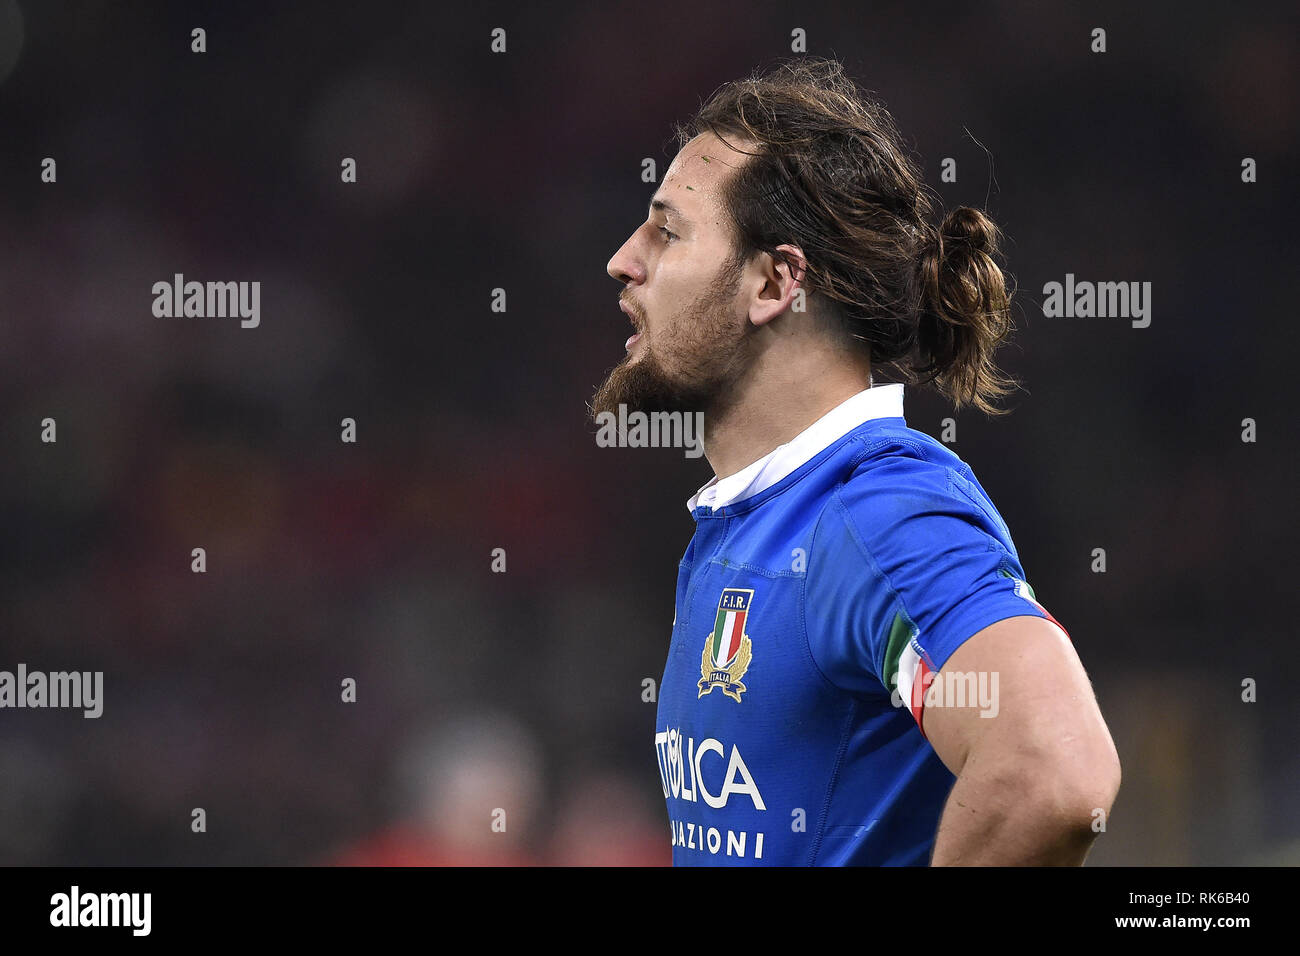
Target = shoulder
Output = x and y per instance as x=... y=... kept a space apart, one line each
x=883 y=508
x=912 y=509
x=902 y=474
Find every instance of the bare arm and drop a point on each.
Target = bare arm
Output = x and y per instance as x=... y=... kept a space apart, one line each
x=1031 y=778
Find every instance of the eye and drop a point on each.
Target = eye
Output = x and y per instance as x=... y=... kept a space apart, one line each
x=668 y=235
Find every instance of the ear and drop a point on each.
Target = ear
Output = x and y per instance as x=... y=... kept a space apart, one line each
x=780 y=282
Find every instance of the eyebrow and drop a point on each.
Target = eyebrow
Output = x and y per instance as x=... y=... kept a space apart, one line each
x=663 y=205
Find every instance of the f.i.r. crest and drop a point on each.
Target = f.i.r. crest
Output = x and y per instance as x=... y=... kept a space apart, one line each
x=727 y=651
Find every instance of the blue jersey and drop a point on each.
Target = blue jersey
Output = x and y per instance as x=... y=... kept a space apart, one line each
x=824 y=588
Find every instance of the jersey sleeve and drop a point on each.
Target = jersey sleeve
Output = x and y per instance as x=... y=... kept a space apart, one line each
x=910 y=560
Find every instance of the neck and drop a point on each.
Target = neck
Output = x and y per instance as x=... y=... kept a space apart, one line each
x=780 y=397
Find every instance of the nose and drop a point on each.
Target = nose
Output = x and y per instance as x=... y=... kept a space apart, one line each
x=626 y=266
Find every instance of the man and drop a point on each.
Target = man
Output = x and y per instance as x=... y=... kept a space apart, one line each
x=853 y=627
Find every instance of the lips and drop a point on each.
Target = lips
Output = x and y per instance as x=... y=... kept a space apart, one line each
x=636 y=336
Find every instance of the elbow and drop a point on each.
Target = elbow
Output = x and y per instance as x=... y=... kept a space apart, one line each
x=1078 y=793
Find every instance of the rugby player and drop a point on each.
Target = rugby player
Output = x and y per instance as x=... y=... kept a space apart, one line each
x=859 y=670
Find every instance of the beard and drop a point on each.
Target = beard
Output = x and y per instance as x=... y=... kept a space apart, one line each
x=696 y=367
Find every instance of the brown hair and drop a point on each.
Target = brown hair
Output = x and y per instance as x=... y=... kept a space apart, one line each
x=829 y=174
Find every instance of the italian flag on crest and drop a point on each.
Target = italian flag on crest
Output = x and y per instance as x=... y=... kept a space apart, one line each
x=728 y=650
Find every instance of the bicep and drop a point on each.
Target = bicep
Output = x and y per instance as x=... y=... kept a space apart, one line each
x=1040 y=710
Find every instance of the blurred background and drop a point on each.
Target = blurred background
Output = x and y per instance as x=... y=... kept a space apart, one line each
x=522 y=171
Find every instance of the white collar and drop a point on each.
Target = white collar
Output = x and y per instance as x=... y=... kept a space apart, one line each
x=878 y=401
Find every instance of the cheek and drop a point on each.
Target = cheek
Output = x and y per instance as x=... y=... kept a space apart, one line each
x=666 y=309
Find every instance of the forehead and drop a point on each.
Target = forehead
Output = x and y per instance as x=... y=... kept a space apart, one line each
x=695 y=176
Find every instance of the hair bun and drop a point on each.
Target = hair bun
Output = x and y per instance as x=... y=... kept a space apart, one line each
x=968 y=227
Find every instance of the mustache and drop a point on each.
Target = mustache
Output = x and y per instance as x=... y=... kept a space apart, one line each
x=634 y=311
